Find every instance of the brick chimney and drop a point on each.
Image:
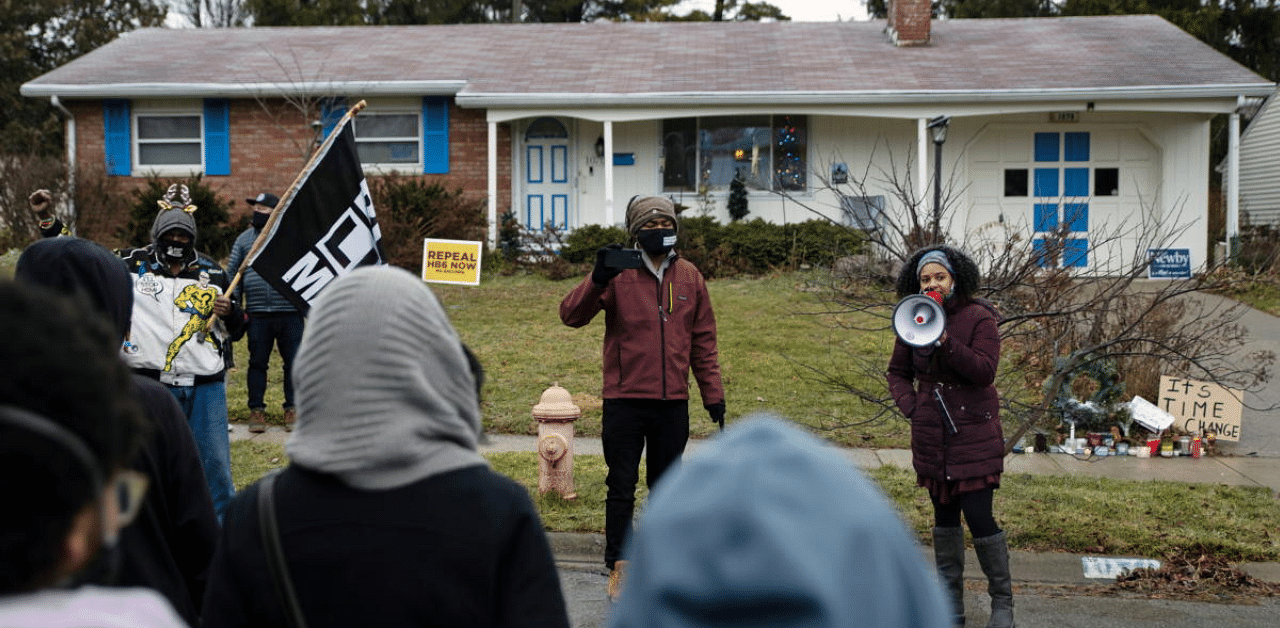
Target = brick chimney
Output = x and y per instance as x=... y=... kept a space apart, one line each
x=909 y=22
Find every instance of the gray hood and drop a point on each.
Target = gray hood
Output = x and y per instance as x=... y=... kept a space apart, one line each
x=384 y=393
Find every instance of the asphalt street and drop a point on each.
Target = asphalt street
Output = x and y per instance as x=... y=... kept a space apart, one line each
x=1035 y=606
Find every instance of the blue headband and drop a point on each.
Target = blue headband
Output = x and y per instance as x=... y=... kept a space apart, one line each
x=934 y=257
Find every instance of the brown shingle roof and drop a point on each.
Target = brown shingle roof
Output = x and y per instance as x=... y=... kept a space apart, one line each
x=578 y=60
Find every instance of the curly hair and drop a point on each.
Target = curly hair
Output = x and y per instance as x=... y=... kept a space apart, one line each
x=966 y=273
x=64 y=365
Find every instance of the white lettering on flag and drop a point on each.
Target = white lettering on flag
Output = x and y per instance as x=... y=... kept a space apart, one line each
x=306 y=279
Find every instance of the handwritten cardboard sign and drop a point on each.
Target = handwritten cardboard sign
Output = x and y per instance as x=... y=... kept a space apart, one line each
x=1199 y=406
x=451 y=261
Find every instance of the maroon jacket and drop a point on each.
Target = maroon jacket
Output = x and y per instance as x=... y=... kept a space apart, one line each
x=653 y=334
x=964 y=371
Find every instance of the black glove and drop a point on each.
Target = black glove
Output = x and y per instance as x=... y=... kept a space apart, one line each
x=601 y=275
x=716 y=412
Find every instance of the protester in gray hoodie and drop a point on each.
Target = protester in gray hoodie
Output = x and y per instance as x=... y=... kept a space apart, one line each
x=388 y=516
x=767 y=526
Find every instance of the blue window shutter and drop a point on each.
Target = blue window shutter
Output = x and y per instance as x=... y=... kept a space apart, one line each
x=435 y=135
x=217 y=136
x=331 y=112
x=117 y=138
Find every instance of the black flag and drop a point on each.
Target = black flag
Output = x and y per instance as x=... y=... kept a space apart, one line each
x=323 y=229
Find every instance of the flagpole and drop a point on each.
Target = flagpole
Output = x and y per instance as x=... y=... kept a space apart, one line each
x=286 y=199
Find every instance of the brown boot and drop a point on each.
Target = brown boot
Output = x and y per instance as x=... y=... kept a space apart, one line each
x=617 y=577
x=257 y=421
x=290 y=417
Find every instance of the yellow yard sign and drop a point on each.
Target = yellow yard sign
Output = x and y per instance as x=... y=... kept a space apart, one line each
x=451 y=261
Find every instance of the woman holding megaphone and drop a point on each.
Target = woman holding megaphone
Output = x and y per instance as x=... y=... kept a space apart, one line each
x=946 y=388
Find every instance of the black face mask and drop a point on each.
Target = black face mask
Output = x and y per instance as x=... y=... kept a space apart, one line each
x=657 y=241
x=174 y=250
x=259 y=220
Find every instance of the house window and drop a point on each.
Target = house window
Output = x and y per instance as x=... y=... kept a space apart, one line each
x=397 y=135
x=1015 y=182
x=387 y=138
x=1106 y=182
x=169 y=140
x=770 y=152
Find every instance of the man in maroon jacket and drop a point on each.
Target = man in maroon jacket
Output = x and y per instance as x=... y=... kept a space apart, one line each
x=658 y=325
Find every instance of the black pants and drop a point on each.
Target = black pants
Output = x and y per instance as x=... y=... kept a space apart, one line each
x=976 y=507
x=631 y=426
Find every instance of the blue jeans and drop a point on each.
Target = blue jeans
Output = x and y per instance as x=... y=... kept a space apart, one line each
x=284 y=331
x=206 y=408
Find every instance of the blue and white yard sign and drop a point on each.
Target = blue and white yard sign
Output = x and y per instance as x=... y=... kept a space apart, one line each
x=1169 y=264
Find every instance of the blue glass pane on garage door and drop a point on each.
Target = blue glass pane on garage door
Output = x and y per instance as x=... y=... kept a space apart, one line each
x=1041 y=248
x=1076 y=147
x=1075 y=253
x=1075 y=182
x=1046 y=216
x=1076 y=216
x=1047 y=147
x=1046 y=184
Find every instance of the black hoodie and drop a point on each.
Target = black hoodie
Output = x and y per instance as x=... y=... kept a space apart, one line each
x=169 y=546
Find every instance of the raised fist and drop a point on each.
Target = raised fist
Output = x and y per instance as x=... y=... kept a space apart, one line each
x=41 y=201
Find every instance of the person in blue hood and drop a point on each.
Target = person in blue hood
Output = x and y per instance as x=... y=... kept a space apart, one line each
x=767 y=526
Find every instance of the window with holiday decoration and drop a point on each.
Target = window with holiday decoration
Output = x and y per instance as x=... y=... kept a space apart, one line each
x=768 y=151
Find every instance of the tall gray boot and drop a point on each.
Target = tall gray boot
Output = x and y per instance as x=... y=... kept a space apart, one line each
x=948 y=555
x=993 y=555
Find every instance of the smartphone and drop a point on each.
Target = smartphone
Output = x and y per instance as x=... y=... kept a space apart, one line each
x=623 y=258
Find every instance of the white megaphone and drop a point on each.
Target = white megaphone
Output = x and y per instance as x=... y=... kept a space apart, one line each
x=919 y=319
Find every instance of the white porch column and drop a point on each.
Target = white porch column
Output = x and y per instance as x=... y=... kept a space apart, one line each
x=608 y=173
x=1233 y=179
x=493 y=185
x=922 y=161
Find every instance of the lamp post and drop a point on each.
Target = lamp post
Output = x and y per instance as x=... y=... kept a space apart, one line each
x=938 y=128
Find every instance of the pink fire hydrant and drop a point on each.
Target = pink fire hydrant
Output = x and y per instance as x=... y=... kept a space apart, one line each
x=555 y=414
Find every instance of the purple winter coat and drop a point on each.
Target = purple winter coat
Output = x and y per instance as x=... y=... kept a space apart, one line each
x=964 y=371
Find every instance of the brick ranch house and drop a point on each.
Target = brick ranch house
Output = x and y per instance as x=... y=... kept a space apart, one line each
x=1087 y=122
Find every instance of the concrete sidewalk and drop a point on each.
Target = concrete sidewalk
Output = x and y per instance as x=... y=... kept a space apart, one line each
x=1033 y=567
x=1229 y=470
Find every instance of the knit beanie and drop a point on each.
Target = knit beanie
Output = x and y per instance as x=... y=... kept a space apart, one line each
x=384 y=393
x=765 y=525
x=641 y=210
x=935 y=257
x=173 y=219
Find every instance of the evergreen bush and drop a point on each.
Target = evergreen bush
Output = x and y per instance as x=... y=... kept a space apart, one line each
x=214 y=235
x=411 y=209
x=737 y=202
x=581 y=245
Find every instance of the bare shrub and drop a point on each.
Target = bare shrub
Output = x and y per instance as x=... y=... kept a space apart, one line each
x=1057 y=323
